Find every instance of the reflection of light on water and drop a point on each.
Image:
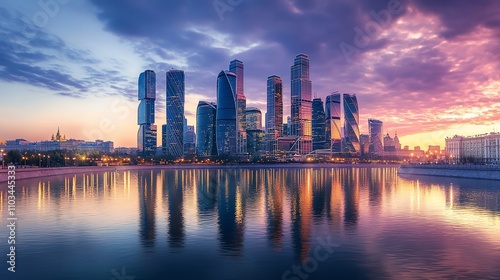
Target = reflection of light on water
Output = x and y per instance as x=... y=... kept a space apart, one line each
x=126 y=183
x=336 y=200
x=239 y=206
x=440 y=202
x=74 y=189
x=451 y=196
x=418 y=195
x=1 y=205
x=481 y=221
x=39 y=204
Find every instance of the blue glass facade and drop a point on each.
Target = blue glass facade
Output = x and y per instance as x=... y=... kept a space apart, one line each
x=274 y=115
x=146 y=139
x=174 y=145
x=226 y=116
x=333 y=123
x=254 y=118
x=255 y=141
x=237 y=68
x=301 y=103
x=376 y=129
x=205 y=129
x=318 y=124
x=146 y=136
x=351 y=124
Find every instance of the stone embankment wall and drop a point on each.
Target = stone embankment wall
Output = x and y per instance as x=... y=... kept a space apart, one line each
x=491 y=172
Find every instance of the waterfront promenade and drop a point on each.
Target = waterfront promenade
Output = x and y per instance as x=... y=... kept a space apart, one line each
x=490 y=172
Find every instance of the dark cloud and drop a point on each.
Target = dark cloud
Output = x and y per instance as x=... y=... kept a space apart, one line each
x=298 y=26
x=36 y=58
x=462 y=16
x=265 y=35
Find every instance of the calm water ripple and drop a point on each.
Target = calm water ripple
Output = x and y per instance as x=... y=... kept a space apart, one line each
x=273 y=223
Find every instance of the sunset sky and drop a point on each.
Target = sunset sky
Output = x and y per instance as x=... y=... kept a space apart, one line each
x=428 y=70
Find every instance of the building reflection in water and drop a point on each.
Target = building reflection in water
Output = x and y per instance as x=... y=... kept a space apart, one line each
x=230 y=212
x=335 y=201
x=274 y=185
x=301 y=210
x=320 y=189
x=283 y=209
x=173 y=182
x=147 y=207
x=206 y=193
x=350 y=183
x=375 y=189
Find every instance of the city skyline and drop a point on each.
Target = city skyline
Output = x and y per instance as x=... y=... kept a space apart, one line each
x=406 y=76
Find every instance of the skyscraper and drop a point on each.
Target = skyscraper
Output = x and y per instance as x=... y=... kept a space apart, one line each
x=351 y=124
x=255 y=141
x=205 y=128
x=254 y=118
x=274 y=115
x=332 y=123
x=146 y=136
x=301 y=111
x=237 y=68
x=364 y=141
x=318 y=124
x=226 y=122
x=375 y=128
x=190 y=141
x=174 y=145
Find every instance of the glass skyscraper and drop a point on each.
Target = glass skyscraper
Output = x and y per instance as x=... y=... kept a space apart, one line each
x=190 y=141
x=351 y=124
x=146 y=136
x=205 y=129
x=237 y=68
x=274 y=115
x=301 y=99
x=333 y=123
x=254 y=118
x=174 y=145
x=318 y=124
x=376 y=129
x=226 y=117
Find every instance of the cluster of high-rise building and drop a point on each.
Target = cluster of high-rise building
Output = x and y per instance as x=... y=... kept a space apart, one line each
x=228 y=128
x=221 y=126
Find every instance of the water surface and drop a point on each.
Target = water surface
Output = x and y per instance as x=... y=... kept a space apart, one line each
x=317 y=222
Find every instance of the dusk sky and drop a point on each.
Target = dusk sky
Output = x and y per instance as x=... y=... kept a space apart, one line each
x=428 y=70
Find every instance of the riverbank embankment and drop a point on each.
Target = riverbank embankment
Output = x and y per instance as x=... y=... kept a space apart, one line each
x=489 y=172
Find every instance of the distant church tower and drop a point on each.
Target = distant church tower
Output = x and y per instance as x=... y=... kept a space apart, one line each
x=58 y=137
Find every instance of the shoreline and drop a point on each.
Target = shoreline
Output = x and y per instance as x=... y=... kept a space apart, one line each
x=30 y=173
x=482 y=172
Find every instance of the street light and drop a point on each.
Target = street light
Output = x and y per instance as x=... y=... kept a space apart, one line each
x=39 y=160
x=3 y=160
